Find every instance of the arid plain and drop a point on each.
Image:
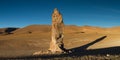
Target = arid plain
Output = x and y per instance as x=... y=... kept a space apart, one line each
x=25 y=41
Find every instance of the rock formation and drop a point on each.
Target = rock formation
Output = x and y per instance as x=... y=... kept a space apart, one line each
x=56 y=44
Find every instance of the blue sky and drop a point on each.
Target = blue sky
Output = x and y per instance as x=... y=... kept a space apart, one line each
x=21 y=13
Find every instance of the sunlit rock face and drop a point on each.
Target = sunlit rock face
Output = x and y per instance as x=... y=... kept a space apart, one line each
x=56 y=44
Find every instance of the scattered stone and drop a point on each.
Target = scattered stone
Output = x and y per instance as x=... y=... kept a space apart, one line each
x=42 y=53
x=107 y=55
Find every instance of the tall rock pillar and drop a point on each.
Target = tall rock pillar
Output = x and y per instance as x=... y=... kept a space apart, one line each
x=56 y=44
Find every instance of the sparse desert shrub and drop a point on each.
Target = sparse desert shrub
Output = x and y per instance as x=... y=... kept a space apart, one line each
x=29 y=32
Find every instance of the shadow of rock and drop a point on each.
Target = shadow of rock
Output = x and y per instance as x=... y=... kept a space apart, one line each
x=80 y=51
x=84 y=47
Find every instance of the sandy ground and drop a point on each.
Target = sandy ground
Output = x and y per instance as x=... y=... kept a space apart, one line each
x=23 y=44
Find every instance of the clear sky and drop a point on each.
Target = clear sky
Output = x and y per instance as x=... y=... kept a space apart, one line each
x=21 y=13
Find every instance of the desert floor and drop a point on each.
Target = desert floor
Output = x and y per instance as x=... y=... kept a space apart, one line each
x=26 y=41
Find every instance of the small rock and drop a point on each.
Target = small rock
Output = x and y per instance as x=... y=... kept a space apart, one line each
x=37 y=53
x=107 y=55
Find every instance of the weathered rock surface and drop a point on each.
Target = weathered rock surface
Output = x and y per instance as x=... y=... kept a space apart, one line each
x=56 y=44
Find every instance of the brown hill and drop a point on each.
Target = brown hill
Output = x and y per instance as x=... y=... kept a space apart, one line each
x=33 y=29
x=68 y=29
x=27 y=40
x=2 y=30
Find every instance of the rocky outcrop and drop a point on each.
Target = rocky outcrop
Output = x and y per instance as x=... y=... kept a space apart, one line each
x=56 y=44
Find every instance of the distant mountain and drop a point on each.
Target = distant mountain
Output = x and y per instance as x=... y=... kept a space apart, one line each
x=33 y=29
x=7 y=30
x=68 y=29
